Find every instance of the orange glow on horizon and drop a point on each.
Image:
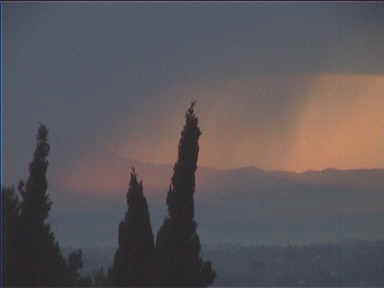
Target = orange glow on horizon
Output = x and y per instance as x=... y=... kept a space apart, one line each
x=338 y=123
x=344 y=132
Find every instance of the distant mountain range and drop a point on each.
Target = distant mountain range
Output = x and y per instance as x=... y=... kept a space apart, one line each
x=245 y=205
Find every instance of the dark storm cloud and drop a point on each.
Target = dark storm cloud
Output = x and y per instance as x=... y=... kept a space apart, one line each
x=94 y=72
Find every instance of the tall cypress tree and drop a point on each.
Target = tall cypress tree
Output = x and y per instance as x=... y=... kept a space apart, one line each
x=178 y=244
x=133 y=261
x=42 y=262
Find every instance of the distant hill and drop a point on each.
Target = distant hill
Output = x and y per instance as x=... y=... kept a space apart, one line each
x=246 y=205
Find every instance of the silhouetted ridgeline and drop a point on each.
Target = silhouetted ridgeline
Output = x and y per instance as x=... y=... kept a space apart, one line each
x=245 y=205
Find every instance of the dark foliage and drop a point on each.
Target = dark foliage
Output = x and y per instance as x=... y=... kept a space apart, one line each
x=11 y=215
x=34 y=257
x=39 y=259
x=178 y=244
x=133 y=261
x=100 y=278
x=75 y=263
x=85 y=281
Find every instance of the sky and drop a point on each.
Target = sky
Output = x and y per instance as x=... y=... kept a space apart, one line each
x=280 y=86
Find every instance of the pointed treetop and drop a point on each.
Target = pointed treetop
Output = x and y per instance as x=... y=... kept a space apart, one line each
x=42 y=148
x=134 y=177
x=42 y=133
x=192 y=106
x=189 y=136
x=133 y=172
x=190 y=115
x=135 y=189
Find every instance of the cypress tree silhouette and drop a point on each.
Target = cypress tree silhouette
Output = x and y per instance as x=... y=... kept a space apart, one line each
x=133 y=260
x=178 y=244
x=11 y=216
x=41 y=260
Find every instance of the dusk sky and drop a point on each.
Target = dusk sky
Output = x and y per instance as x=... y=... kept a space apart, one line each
x=278 y=86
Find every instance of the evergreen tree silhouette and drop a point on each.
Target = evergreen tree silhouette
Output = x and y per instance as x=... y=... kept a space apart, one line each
x=133 y=260
x=178 y=244
x=11 y=216
x=41 y=263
